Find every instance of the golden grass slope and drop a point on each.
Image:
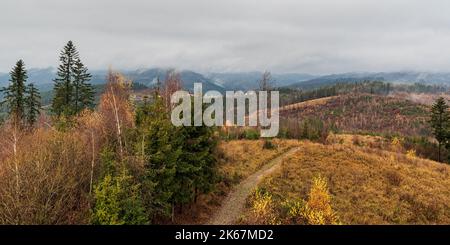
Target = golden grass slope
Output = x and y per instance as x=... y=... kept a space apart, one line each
x=367 y=186
x=237 y=159
x=300 y=105
x=241 y=158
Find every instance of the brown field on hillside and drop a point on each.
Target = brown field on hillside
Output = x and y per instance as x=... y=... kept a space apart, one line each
x=366 y=186
x=359 y=113
x=300 y=105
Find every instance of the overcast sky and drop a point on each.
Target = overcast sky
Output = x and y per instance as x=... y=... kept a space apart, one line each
x=314 y=36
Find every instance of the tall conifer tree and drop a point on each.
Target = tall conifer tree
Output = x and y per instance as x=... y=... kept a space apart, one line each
x=159 y=154
x=63 y=88
x=72 y=92
x=33 y=104
x=22 y=101
x=83 y=96
x=15 y=93
x=440 y=122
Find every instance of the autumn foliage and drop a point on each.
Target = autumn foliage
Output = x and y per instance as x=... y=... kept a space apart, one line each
x=121 y=163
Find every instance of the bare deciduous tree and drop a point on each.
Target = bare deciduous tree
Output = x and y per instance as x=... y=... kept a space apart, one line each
x=54 y=179
x=116 y=107
x=265 y=84
x=172 y=84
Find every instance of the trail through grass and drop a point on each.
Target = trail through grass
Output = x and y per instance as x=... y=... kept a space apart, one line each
x=233 y=205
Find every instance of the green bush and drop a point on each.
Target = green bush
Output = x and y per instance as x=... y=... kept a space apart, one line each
x=117 y=201
x=252 y=134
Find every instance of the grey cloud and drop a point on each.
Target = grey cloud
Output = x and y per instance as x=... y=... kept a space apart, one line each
x=316 y=36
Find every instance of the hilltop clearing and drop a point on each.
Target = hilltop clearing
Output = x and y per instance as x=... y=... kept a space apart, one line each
x=365 y=186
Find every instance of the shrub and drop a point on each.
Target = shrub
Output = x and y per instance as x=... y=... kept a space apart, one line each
x=411 y=153
x=269 y=145
x=251 y=134
x=424 y=148
x=317 y=210
x=263 y=208
x=118 y=202
x=294 y=211
x=396 y=144
x=313 y=129
x=47 y=181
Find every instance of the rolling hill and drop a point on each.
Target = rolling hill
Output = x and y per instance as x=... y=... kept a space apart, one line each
x=362 y=113
x=366 y=186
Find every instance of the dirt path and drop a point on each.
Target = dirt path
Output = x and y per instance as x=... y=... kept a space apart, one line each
x=233 y=204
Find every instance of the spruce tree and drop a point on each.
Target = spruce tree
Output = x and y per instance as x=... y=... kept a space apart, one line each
x=72 y=92
x=196 y=168
x=83 y=96
x=15 y=93
x=440 y=122
x=179 y=161
x=118 y=201
x=157 y=147
x=63 y=89
x=33 y=104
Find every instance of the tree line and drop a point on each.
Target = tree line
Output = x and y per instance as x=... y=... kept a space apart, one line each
x=22 y=100
x=72 y=90
x=291 y=96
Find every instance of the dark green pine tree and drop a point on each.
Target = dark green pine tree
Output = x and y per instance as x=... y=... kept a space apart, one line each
x=63 y=89
x=156 y=146
x=117 y=197
x=33 y=104
x=196 y=168
x=83 y=96
x=15 y=93
x=72 y=92
x=440 y=122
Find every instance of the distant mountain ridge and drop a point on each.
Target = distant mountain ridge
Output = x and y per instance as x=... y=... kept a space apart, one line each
x=43 y=78
x=392 y=77
x=149 y=78
x=250 y=80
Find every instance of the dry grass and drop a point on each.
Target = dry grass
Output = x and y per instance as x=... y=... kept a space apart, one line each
x=241 y=158
x=314 y=102
x=367 y=185
x=358 y=140
x=238 y=159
